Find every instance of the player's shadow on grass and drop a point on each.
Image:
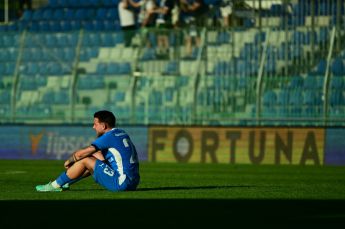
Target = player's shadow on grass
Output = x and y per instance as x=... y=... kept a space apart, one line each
x=194 y=187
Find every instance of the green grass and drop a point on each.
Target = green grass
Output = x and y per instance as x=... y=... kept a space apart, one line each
x=195 y=194
x=191 y=181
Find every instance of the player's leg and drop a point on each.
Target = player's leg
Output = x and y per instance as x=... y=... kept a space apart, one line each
x=77 y=170
x=110 y=179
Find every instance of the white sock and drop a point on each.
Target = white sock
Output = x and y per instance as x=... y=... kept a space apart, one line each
x=55 y=185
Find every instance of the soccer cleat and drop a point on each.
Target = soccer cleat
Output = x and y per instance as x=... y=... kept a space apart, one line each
x=48 y=188
x=65 y=187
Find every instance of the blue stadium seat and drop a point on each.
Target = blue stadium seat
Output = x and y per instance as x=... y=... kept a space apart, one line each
x=43 y=26
x=113 y=68
x=337 y=83
x=169 y=94
x=336 y=98
x=72 y=39
x=3 y=55
x=28 y=83
x=32 y=68
x=27 y=15
x=55 y=26
x=2 y=68
x=37 y=15
x=53 y=3
x=107 y=39
x=61 y=97
x=223 y=37
x=323 y=35
x=295 y=97
x=10 y=67
x=102 y=68
x=283 y=97
x=69 y=54
x=172 y=68
x=148 y=54
x=112 y=13
x=70 y=15
x=75 y=25
x=269 y=99
x=321 y=67
x=101 y=13
x=47 y=14
x=119 y=96
x=44 y=68
x=50 y=40
x=298 y=37
x=5 y=97
x=98 y=25
x=337 y=67
x=156 y=98
x=110 y=3
x=310 y=82
x=312 y=98
x=48 y=98
x=66 y=26
x=309 y=36
x=125 y=68
x=296 y=82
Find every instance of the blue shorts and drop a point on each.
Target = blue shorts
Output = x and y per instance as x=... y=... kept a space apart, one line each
x=109 y=179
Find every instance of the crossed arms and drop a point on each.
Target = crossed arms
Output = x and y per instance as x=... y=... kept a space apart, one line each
x=80 y=154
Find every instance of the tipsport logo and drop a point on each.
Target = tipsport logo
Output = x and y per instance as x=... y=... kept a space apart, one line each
x=57 y=145
x=35 y=140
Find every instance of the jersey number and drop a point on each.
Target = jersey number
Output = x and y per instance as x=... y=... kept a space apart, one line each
x=134 y=156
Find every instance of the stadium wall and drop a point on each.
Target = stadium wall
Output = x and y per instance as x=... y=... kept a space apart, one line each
x=232 y=145
x=247 y=145
x=57 y=142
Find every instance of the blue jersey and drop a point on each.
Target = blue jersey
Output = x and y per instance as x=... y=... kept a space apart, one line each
x=120 y=154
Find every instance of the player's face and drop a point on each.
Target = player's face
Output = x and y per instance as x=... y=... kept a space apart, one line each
x=99 y=127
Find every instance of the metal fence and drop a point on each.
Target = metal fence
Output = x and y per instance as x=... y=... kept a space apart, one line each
x=273 y=64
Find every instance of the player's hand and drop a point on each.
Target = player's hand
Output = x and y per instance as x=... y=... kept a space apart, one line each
x=68 y=164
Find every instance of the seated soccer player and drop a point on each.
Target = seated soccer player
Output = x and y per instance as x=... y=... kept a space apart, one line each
x=111 y=159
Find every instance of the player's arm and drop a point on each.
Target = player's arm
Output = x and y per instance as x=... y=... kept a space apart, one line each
x=80 y=154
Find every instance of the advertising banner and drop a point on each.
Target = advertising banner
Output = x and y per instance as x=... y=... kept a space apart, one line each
x=335 y=147
x=296 y=146
x=57 y=142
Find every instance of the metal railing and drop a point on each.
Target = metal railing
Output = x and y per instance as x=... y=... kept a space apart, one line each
x=256 y=74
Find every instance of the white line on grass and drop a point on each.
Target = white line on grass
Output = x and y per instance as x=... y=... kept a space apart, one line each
x=13 y=172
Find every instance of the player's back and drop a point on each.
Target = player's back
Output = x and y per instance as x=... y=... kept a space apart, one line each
x=121 y=153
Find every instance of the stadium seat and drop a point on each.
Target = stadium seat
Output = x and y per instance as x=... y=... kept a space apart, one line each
x=102 y=68
x=5 y=97
x=321 y=67
x=171 y=68
x=61 y=97
x=310 y=82
x=269 y=99
x=27 y=15
x=125 y=68
x=337 y=67
x=148 y=54
x=37 y=15
x=53 y=3
x=311 y=97
x=337 y=83
x=336 y=98
x=112 y=68
x=107 y=39
x=296 y=82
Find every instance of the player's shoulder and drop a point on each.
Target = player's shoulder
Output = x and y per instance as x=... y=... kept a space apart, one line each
x=117 y=132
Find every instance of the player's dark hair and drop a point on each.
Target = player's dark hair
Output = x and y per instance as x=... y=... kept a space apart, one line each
x=106 y=117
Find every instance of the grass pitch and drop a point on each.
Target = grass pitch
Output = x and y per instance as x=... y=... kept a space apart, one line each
x=187 y=181
x=193 y=193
